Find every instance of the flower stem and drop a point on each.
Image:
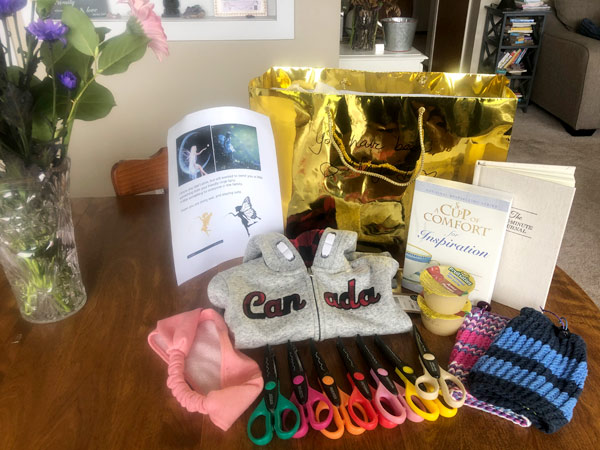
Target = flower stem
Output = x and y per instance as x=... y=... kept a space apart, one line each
x=20 y=49
x=8 y=51
x=71 y=116
x=53 y=77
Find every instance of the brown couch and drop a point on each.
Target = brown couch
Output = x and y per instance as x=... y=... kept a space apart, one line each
x=567 y=78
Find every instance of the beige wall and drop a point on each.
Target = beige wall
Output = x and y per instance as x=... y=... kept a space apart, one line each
x=153 y=96
x=478 y=22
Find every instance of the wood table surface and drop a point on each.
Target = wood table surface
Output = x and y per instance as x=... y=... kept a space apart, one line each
x=92 y=382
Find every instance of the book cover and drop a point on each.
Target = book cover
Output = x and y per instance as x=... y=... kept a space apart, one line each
x=521 y=56
x=543 y=195
x=457 y=224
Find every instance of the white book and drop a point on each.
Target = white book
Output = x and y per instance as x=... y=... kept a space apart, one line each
x=456 y=224
x=543 y=195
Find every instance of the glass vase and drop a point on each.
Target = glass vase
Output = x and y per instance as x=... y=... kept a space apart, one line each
x=37 y=245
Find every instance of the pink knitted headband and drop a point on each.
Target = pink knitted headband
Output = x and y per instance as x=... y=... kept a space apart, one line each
x=197 y=348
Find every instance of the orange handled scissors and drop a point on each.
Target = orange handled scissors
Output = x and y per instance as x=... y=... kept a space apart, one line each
x=338 y=398
x=427 y=409
x=435 y=378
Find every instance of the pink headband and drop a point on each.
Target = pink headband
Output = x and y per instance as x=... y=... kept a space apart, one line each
x=197 y=348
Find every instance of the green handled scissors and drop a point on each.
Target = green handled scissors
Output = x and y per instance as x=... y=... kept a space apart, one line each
x=273 y=405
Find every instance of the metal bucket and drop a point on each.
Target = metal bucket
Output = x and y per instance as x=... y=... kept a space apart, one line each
x=398 y=33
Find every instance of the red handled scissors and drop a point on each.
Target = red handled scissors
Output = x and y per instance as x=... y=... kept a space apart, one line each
x=435 y=378
x=360 y=397
x=426 y=409
x=304 y=397
x=386 y=398
x=338 y=398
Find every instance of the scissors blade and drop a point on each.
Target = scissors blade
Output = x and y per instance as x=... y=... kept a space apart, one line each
x=299 y=382
x=406 y=370
x=357 y=375
x=271 y=380
x=327 y=382
x=427 y=358
x=378 y=369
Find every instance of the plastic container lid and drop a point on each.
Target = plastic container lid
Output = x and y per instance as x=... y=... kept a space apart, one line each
x=447 y=281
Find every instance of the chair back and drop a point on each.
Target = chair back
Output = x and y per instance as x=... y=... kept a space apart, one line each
x=138 y=176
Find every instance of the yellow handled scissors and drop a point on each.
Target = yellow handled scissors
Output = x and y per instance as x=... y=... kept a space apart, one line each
x=435 y=378
x=427 y=409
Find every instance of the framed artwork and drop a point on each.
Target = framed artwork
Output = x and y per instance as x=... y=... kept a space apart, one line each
x=229 y=8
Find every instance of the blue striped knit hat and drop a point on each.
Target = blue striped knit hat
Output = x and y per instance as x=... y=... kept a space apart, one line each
x=533 y=368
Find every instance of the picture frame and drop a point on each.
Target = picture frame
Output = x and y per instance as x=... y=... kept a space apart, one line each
x=236 y=8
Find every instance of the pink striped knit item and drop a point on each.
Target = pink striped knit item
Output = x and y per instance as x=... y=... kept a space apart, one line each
x=474 y=337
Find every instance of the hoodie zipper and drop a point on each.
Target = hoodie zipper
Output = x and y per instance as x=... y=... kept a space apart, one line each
x=312 y=282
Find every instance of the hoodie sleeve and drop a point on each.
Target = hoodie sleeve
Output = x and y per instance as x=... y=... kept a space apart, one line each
x=218 y=291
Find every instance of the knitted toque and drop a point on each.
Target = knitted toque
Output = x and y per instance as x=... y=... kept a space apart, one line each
x=474 y=337
x=533 y=368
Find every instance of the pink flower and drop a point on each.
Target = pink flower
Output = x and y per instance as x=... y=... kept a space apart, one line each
x=143 y=11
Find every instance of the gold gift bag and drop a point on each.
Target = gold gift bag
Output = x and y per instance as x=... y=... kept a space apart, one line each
x=348 y=142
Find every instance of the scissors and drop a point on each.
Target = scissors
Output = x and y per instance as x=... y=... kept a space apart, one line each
x=427 y=409
x=304 y=397
x=360 y=397
x=273 y=406
x=436 y=378
x=386 y=397
x=338 y=398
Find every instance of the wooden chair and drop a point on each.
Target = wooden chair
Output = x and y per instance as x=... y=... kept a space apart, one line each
x=138 y=176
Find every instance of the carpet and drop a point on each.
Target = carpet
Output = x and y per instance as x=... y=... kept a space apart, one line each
x=539 y=137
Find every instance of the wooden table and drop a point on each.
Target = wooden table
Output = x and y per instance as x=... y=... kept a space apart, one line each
x=92 y=382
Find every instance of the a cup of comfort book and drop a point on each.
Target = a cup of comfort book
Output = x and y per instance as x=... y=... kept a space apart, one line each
x=458 y=225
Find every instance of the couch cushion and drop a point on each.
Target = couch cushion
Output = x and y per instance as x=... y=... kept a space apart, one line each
x=571 y=12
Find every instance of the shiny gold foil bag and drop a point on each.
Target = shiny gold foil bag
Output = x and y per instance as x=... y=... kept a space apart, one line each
x=350 y=140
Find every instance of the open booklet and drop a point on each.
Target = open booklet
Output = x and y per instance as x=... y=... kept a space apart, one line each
x=223 y=186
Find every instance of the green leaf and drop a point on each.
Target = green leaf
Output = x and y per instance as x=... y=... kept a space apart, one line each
x=67 y=58
x=82 y=34
x=120 y=51
x=44 y=7
x=16 y=107
x=42 y=109
x=96 y=102
x=102 y=32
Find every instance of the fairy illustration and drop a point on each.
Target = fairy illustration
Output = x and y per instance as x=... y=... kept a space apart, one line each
x=247 y=214
x=205 y=218
x=192 y=157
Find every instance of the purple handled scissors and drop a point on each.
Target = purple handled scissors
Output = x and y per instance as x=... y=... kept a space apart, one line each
x=390 y=409
x=304 y=397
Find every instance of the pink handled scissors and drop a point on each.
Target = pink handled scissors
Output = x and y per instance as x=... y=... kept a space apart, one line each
x=304 y=397
x=390 y=409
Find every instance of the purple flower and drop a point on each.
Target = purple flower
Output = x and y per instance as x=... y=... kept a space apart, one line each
x=48 y=30
x=8 y=7
x=68 y=79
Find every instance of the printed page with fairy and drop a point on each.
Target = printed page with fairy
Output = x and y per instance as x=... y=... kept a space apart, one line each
x=223 y=186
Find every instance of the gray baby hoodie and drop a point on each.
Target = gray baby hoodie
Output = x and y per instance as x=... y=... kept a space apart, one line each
x=272 y=297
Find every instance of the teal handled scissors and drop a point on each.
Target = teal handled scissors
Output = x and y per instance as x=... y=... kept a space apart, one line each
x=436 y=379
x=427 y=409
x=273 y=405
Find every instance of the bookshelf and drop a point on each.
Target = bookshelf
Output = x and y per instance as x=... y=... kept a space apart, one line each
x=510 y=46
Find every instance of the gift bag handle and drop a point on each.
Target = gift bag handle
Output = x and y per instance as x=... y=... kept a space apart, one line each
x=339 y=146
